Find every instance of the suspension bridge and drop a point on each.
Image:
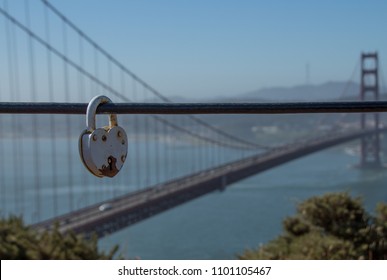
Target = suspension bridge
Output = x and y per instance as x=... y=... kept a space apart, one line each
x=172 y=159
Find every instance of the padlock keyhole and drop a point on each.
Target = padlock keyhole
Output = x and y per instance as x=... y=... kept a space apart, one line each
x=110 y=161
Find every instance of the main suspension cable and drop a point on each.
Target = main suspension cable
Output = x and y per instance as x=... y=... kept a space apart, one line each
x=142 y=82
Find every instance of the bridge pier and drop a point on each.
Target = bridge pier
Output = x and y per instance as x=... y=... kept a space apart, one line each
x=369 y=91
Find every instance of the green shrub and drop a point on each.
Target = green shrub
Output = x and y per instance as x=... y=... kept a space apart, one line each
x=18 y=241
x=332 y=226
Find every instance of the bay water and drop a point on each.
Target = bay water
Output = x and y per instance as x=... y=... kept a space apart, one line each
x=219 y=225
x=222 y=225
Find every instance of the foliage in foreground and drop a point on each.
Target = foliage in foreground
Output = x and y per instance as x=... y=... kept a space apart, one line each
x=18 y=241
x=333 y=226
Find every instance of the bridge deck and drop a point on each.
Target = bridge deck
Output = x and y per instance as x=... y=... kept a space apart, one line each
x=137 y=206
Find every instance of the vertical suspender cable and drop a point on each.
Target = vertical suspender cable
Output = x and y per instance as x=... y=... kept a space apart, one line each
x=172 y=149
x=19 y=141
x=148 y=168
x=96 y=89
x=50 y=79
x=3 y=184
x=123 y=90
x=203 y=150
x=36 y=165
x=137 y=152
x=157 y=151
x=109 y=191
x=68 y=119
x=184 y=168
x=165 y=147
x=82 y=91
x=12 y=97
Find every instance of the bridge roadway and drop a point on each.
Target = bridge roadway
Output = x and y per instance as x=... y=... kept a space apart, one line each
x=137 y=206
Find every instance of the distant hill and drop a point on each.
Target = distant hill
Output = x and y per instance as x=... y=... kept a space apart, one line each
x=329 y=91
x=326 y=91
x=283 y=128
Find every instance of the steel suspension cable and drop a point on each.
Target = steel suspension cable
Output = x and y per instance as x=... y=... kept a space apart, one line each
x=107 y=87
x=13 y=95
x=145 y=84
x=68 y=122
x=343 y=93
x=33 y=86
x=82 y=90
x=52 y=121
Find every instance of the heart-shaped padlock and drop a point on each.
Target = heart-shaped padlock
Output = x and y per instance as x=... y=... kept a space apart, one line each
x=103 y=150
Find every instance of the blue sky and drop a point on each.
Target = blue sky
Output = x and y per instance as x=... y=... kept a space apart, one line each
x=221 y=48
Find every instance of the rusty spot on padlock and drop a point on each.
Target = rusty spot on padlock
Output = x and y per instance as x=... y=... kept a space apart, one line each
x=111 y=169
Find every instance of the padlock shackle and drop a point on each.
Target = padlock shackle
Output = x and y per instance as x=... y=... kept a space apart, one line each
x=92 y=110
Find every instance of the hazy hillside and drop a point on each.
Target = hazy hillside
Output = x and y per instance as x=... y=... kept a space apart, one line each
x=283 y=128
x=326 y=91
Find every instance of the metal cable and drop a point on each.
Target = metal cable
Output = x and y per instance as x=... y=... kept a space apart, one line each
x=68 y=126
x=343 y=93
x=33 y=86
x=195 y=108
x=145 y=84
x=107 y=87
x=53 y=146
x=13 y=95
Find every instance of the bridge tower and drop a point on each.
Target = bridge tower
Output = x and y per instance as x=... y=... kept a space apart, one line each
x=369 y=90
